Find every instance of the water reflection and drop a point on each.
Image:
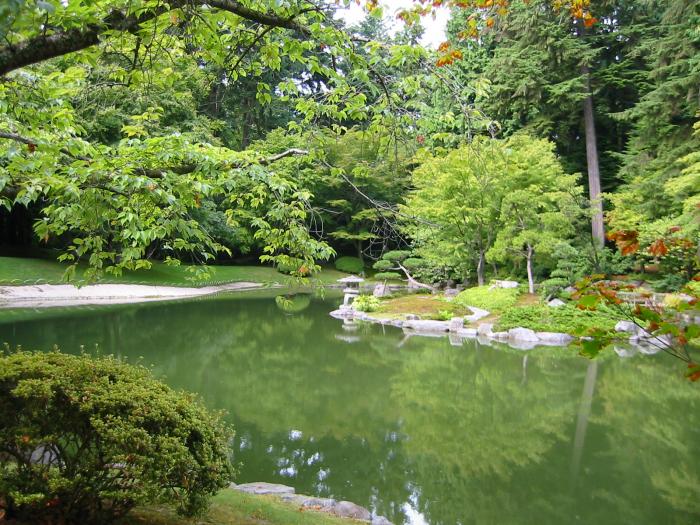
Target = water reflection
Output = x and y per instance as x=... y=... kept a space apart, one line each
x=418 y=429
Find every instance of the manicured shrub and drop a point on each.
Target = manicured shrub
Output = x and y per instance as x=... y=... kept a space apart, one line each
x=494 y=300
x=388 y=276
x=349 y=265
x=384 y=265
x=566 y=319
x=366 y=303
x=84 y=440
x=396 y=255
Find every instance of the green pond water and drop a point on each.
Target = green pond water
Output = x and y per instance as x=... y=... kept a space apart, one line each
x=419 y=430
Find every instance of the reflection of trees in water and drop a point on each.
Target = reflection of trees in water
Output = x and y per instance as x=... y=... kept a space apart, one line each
x=648 y=421
x=469 y=434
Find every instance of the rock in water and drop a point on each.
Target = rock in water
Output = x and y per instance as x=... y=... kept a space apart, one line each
x=523 y=334
x=456 y=324
x=347 y=509
x=263 y=488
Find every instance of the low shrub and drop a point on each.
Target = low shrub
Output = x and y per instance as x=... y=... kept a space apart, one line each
x=366 y=303
x=494 y=300
x=84 y=440
x=566 y=319
x=349 y=265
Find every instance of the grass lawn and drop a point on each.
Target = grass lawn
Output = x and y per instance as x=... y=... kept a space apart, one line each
x=23 y=270
x=424 y=305
x=235 y=508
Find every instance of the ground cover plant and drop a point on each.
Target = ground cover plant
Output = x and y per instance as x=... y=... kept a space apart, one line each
x=564 y=319
x=495 y=300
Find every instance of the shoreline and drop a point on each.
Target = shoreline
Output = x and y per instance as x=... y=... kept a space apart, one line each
x=48 y=295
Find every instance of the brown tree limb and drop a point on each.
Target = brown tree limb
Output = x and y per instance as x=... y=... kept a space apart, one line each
x=62 y=42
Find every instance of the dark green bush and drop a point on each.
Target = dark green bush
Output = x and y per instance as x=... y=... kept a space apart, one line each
x=349 y=265
x=84 y=440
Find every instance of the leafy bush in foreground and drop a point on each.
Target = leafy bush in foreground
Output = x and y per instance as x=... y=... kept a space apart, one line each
x=84 y=440
x=349 y=265
x=493 y=300
x=566 y=319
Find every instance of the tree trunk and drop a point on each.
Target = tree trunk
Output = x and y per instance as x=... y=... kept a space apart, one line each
x=530 y=278
x=480 y=268
x=592 y=162
x=361 y=256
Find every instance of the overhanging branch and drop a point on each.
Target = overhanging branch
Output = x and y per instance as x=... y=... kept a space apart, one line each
x=62 y=42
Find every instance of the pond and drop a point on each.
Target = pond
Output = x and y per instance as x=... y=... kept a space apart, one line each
x=419 y=430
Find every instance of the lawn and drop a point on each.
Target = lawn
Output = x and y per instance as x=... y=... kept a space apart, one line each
x=23 y=270
x=235 y=508
x=426 y=306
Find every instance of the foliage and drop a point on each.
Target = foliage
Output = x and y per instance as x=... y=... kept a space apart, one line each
x=366 y=303
x=349 y=265
x=565 y=319
x=574 y=263
x=86 y=439
x=489 y=298
x=388 y=276
x=671 y=327
x=540 y=210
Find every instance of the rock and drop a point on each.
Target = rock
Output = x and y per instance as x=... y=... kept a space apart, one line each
x=477 y=313
x=485 y=329
x=505 y=284
x=570 y=289
x=263 y=488
x=500 y=336
x=412 y=317
x=522 y=334
x=556 y=303
x=380 y=520
x=626 y=326
x=554 y=338
x=456 y=324
x=467 y=332
x=427 y=326
x=347 y=509
x=451 y=292
x=381 y=290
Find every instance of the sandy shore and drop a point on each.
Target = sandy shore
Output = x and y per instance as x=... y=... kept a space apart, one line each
x=67 y=294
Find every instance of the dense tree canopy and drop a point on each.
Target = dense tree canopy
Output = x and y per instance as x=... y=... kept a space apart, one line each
x=194 y=131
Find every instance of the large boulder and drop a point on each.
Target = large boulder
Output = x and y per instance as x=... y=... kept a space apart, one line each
x=556 y=303
x=522 y=334
x=427 y=326
x=456 y=324
x=347 y=509
x=554 y=338
x=263 y=488
x=504 y=284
